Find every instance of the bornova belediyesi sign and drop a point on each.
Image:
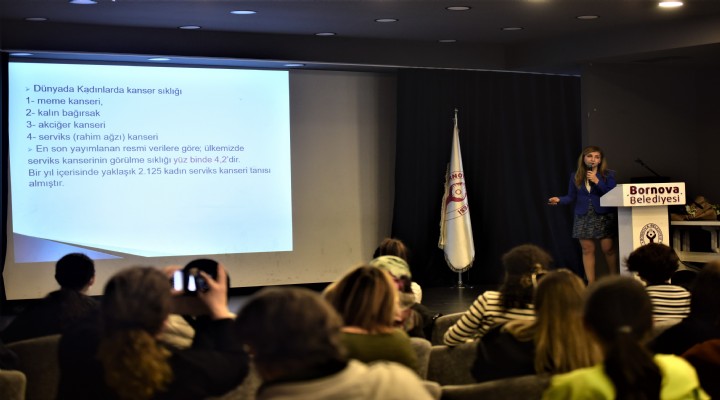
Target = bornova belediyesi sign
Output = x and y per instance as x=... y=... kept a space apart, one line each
x=649 y=194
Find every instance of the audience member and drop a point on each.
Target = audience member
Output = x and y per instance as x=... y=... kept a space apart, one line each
x=120 y=358
x=295 y=341
x=705 y=357
x=703 y=322
x=366 y=299
x=75 y=273
x=522 y=265
x=395 y=247
x=618 y=312
x=416 y=319
x=655 y=264
x=188 y=312
x=555 y=342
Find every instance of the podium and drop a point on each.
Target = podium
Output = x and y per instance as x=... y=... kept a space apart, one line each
x=643 y=214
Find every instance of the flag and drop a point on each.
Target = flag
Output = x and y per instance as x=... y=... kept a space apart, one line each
x=455 y=228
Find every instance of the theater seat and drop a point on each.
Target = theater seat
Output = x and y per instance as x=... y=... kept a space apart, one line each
x=451 y=365
x=526 y=387
x=12 y=385
x=38 y=360
x=442 y=324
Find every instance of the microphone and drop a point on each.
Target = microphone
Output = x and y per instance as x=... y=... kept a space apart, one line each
x=590 y=167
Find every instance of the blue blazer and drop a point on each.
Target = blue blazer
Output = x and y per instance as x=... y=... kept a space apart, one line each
x=580 y=195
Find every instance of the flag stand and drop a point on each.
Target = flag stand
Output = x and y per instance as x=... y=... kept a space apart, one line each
x=460 y=283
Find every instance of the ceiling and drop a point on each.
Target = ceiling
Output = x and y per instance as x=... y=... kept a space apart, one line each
x=552 y=38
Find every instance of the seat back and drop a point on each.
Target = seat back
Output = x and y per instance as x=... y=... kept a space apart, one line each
x=442 y=324
x=38 y=360
x=527 y=387
x=451 y=365
x=422 y=348
x=12 y=385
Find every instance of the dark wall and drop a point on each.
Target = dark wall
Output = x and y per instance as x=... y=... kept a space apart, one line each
x=520 y=138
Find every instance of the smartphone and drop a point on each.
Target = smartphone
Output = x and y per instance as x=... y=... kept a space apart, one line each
x=190 y=283
x=196 y=282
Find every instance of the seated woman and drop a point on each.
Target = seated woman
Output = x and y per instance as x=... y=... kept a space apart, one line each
x=294 y=338
x=415 y=318
x=555 y=342
x=656 y=263
x=705 y=357
x=366 y=299
x=703 y=323
x=121 y=358
x=618 y=313
x=522 y=264
x=396 y=247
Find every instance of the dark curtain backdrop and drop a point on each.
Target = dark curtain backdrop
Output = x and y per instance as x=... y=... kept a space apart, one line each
x=520 y=136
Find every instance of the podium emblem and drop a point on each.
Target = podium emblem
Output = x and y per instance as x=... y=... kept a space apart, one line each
x=651 y=233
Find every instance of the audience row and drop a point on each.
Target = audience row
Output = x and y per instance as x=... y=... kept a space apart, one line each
x=145 y=340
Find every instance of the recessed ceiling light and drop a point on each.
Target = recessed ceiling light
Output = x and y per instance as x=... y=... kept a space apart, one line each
x=21 y=54
x=293 y=65
x=587 y=17
x=159 y=59
x=447 y=41
x=670 y=4
x=513 y=28
x=190 y=27
x=386 y=20
x=325 y=34
x=457 y=8
x=36 y=19
x=83 y=2
x=243 y=12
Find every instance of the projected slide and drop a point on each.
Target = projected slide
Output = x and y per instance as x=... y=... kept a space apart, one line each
x=149 y=161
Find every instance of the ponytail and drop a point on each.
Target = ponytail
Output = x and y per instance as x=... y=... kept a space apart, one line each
x=135 y=366
x=619 y=312
x=631 y=368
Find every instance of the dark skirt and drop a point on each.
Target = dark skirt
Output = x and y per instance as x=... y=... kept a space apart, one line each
x=592 y=225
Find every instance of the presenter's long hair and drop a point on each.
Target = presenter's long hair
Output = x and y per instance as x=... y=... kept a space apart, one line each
x=135 y=304
x=619 y=313
x=582 y=169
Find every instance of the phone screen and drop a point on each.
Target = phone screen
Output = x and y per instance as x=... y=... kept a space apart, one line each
x=177 y=280
x=191 y=286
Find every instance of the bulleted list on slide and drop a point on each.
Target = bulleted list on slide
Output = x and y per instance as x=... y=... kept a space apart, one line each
x=126 y=137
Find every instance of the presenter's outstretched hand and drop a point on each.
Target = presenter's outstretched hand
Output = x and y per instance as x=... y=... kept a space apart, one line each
x=553 y=201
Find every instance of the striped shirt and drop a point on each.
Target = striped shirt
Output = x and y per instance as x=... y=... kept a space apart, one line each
x=670 y=302
x=485 y=313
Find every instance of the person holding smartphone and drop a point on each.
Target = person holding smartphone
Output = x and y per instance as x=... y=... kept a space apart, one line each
x=120 y=356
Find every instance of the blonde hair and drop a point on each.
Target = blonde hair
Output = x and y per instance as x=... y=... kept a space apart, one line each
x=135 y=366
x=561 y=341
x=582 y=170
x=365 y=297
x=135 y=304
